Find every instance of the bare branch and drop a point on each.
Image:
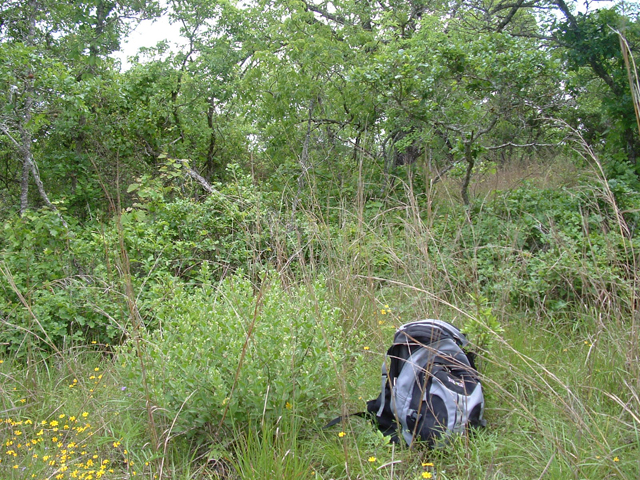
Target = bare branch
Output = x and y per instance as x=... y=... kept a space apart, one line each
x=5 y=130
x=357 y=147
x=488 y=129
x=514 y=9
x=196 y=176
x=525 y=145
x=443 y=172
x=30 y=164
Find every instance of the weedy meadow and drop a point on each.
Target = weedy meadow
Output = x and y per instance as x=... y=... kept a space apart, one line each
x=220 y=350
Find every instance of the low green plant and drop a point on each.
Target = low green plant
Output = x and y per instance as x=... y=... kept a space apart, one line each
x=226 y=355
x=272 y=450
x=483 y=326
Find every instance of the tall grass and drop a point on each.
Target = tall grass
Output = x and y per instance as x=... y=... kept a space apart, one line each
x=551 y=308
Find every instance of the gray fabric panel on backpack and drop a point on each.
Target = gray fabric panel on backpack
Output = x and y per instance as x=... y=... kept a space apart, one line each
x=458 y=406
x=419 y=361
x=402 y=390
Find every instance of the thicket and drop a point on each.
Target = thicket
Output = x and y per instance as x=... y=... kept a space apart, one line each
x=543 y=251
x=204 y=256
x=229 y=317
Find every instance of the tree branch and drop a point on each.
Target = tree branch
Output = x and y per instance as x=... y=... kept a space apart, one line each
x=324 y=13
x=510 y=15
x=30 y=164
x=525 y=145
x=5 y=130
x=196 y=176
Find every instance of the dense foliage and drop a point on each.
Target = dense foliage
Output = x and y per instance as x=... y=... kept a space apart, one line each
x=287 y=344
x=208 y=252
x=307 y=93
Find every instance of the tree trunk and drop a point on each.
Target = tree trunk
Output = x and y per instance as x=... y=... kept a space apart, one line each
x=25 y=135
x=468 y=156
x=24 y=184
x=26 y=140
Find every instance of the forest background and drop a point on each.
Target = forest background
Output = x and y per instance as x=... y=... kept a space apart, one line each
x=204 y=256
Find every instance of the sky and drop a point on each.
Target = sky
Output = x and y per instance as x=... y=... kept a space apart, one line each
x=147 y=34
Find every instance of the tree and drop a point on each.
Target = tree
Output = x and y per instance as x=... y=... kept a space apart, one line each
x=411 y=75
x=47 y=48
x=462 y=90
x=19 y=68
x=592 y=51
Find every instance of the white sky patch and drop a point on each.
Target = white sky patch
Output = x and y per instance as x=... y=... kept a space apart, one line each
x=147 y=34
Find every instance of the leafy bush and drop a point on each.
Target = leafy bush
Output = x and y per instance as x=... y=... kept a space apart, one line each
x=536 y=248
x=228 y=228
x=53 y=269
x=227 y=354
x=71 y=278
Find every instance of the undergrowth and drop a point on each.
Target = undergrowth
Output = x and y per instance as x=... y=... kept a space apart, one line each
x=235 y=367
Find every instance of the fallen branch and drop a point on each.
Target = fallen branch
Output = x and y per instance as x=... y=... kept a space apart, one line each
x=196 y=176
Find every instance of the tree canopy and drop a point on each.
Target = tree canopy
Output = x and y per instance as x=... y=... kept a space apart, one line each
x=305 y=93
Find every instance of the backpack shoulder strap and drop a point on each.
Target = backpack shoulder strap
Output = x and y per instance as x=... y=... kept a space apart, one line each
x=383 y=397
x=342 y=418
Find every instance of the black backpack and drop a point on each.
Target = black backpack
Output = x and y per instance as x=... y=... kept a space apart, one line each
x=431 y=389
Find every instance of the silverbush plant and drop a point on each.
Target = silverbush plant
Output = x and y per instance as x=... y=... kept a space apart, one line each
x=218 y=357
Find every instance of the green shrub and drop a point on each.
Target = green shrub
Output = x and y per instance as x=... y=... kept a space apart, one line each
x=538 y=250
x=72 y=278
x=218 y=356
x=60 y=275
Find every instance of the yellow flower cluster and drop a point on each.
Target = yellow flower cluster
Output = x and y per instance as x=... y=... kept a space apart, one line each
x=429 y=470
x=53 y=449
x=95 y=378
